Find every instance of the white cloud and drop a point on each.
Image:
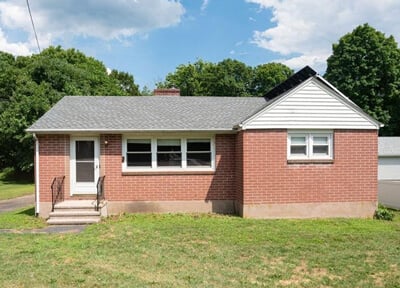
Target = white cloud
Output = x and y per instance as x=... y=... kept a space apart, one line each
x=308 y=28
x=103 y=19
x=204 y=5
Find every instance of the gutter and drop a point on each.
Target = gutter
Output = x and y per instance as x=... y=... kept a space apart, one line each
x=37 y=187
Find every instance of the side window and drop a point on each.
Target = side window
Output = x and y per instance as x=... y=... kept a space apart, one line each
x=310 y=145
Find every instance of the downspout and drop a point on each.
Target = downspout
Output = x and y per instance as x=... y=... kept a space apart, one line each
x=37 y=205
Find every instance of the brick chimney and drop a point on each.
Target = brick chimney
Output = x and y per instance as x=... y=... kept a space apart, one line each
x=167 y=92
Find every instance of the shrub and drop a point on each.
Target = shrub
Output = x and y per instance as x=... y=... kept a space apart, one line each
x=382 y=213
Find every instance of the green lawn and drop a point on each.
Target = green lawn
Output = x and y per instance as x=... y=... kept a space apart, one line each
x=206 y=251
x=21 y=219
x=14 y=188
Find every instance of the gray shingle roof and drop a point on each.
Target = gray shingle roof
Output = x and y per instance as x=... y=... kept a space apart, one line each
x=113 y=113
x=389 y=146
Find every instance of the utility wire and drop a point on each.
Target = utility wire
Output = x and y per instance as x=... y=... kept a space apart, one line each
x=33 y=25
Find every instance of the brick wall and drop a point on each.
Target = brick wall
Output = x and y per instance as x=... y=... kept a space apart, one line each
x=269 y=179
x=53 y=162
x=119 y=187
x=254 y=171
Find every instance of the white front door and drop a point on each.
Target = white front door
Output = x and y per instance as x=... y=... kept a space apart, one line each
x=84 y=164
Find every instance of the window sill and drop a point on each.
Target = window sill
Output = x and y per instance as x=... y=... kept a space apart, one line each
x=310 y=161
x=182 y=172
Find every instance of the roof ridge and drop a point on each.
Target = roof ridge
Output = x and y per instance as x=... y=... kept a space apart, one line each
x=293 y=81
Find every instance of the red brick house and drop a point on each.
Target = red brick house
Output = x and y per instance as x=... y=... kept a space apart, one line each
x=303 y=150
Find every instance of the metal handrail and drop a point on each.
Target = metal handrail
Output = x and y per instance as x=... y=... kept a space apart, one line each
x=100 y=191
x=57 y=191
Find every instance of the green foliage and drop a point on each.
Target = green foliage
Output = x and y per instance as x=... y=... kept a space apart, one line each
x=226 y=78
x=382 y=213
x=125 y=82
x=29 y=86
x=14 y=185
x=365 y=66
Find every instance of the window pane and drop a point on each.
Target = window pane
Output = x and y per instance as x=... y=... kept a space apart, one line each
x=298 y=139
x=139 y=160
x=139 y=145
x=85 y=172
x=199 y=159
x=169 y=159
x=298 y=150
x=84 y=150
x=169 y=145
x=320 y=140
x=198 y=145
x=321 y=149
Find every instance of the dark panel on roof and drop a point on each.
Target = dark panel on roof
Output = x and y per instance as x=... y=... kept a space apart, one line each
x=297 y=78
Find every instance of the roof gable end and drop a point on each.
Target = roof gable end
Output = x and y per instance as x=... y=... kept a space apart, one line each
x=313 y=104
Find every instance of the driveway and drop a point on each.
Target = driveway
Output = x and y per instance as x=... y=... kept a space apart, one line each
x=16 y=203
x=389 y=193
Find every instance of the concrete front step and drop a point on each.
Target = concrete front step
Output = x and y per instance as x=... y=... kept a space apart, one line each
x=74 y=212
x=76 y=204
x=71 y=213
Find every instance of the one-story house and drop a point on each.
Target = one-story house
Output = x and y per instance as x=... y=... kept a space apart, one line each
x=303 y=150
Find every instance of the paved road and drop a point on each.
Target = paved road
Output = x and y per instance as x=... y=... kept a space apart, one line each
x=16 y=203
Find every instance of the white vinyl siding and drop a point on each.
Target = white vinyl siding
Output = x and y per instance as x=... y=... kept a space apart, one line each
x=310 y=106
x=310 y=145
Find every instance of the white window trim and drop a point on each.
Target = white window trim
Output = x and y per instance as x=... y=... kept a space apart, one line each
x=154 y=167
x=309 y=134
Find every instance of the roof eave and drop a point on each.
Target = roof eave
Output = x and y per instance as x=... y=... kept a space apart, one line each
x=110 y=131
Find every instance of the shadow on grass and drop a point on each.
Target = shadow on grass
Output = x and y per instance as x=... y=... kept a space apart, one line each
x=29 y=211
x=10 y=176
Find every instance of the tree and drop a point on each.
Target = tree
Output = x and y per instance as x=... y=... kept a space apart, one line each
x=31 y=85
x=8 y=76
x=365 y=66
x=125 y=82
x=267 y=76
x=226 y=78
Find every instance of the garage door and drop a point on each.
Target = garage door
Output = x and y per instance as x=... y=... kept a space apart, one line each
x=389 y=168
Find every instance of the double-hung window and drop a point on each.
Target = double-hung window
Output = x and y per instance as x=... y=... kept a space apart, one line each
x=138 y=153
x=310 y=145
x=168 y=154
x=198 y=153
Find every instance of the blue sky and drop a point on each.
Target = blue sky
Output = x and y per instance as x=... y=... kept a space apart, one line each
x=150 y=38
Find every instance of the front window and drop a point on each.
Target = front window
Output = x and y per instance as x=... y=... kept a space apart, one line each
x=310 y=145
x=198 y=152
x=168 y=154
x=138 y=153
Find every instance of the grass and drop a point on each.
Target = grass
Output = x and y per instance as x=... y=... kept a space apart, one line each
x=13 y=187
x=207 y=251
x=21 y=219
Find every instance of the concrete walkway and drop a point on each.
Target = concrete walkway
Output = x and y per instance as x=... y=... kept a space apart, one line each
x=29 y=200
x=16 y=203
